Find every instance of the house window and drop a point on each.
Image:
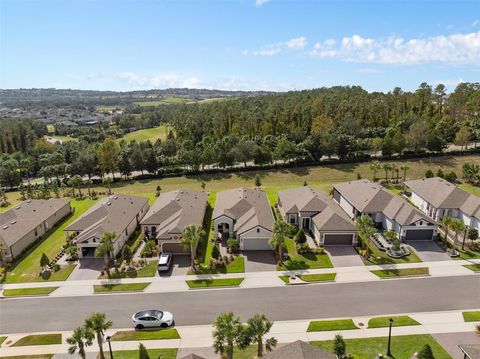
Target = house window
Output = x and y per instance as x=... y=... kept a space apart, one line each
x=258 y=230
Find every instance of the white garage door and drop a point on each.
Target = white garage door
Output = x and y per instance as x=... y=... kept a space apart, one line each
x=256 y=244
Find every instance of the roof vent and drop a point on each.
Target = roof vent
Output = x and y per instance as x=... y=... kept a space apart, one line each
x=18 y=207
x=116 y=197
x=29 y=200
x=109 y=203
x=13 y=222
x=5 y=226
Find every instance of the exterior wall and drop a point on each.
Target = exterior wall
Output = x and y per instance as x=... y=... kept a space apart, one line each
x=256 y=232
x=419 y=202
x=347 y=207
x=223 y=219
x=290 y=217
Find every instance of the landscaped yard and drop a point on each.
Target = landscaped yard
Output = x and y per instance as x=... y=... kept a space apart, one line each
x=378 y=257
x=473 y=267
x=303 y=261
x=148 y=271
x=222 y=282
x=471 y=316
x=330 y=325
x=399 y=321
x=2 y=339
x=130 y=287
x=39 y=356
x=318 y=277
x=151 y=134
x=145 y=335
x=389 y=273
x=402 y=347
x=153 y=353
x=28 y=291
x=28 y=268
x=236 y=266
x=39 y=339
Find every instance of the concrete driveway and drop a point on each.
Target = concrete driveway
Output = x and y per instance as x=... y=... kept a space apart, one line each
x=451 y=341
x=344 y=256
x=259 y=261
x=429 y=251
x=180 y=266
x=88 y=268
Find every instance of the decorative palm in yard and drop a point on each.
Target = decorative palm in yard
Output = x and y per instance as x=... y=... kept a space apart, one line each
x=446 y=222
x=280 y=232
x=387 y=167
x=258 y=327
x=190 y=237
x=404 y=168
x=457 y=226
x=106 y=248
x=228 y=333
x=375 y=167
x=80 y=339
x=365 y=230
x=98 y=323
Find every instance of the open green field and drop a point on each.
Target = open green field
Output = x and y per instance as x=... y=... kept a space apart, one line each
x=151 y=134
x=28 y=268
x=152 y=353
x=399 y=321
x=145 y=335
x=403 y=347
x=28 y=291
x=330 y=325
x=130 y=287
x=389 y=273
x=208 y=283
x=39 y=339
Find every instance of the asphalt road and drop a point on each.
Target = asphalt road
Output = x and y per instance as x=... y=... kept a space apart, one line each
x=279 y=303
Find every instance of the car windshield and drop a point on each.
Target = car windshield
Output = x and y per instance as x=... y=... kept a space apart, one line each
x=150 y=313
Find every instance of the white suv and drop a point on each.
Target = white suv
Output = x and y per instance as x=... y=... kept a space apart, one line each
x=164 y=262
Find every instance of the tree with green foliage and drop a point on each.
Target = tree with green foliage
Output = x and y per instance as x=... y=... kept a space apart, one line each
x=98 y=323
x=105 y=249
x=472 y=234
x=142 y=352
x=451 y=177
x=81 y=338
x=462 y=137
x=339 y=346
x=300 y=237
x=426 y=353
x=375 y=167
x=387 y=167
x=429 y=173
x=108 y=156
x=404 y=168
x=457 y=227
x=44 y=261
x=108 y=181
x=76 y=181
x=257 y=328
x=366 y=231
x=127 y=254
x=228 y=333
x=279 y=235
x=190 y=237
x=215 y=252
x=258 y=181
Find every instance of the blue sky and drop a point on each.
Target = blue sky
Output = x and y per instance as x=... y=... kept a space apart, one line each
x=246 y=45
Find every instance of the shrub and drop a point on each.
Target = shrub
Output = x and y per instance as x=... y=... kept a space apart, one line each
x=215 y=252
x=426 y=353
x=44 y=260
x=339 y=346
x=429 y=173
x=147 y=250
x=142 y=352
x=127 y=254
x=302 y=248
x=55 y=267
x=440 y=173
x=233 y=245
x=300 y=237
x=451 y=177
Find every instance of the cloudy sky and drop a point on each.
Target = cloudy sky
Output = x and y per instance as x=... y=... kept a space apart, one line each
x=246 y=45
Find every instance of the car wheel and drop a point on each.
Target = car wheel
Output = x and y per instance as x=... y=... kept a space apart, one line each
x=139 y=326
x=164 y=325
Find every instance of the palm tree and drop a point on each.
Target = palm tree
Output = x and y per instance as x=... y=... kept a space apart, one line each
x=365 y=230
x=280 y=232
x=88 y=183
x=228 y=332
x=446 y=222
x=105 y=249
x=387 y=167
x=258 y=327
x=457 y=226
x=190 y=237
x=98 y=323
x=82 y=337
x=375 y=167
x=404 y=168
x=76 y=181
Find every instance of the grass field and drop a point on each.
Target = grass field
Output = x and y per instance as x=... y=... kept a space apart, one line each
x=39 y=339
x=303 y=261
x=330 y=325
x=399 y=321
x=236 y=266
x=389 y=273
x=130 y=287
x=208 y=283
x=403 y=347
x=28 y=291
x=28 y=268
x=145 y=335
x=471 y=316
x=153 y=353
x=151 y=134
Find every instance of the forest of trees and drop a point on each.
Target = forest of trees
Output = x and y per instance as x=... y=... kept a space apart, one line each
x=342 y=122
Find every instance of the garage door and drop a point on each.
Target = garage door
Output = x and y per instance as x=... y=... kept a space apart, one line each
x=419 y=235
x=175 y=248
x=256 y=244
x=338 y=239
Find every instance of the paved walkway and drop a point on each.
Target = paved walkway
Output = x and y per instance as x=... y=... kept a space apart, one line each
x=284 y=331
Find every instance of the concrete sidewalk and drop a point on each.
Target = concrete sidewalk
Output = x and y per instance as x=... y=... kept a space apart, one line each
x=284 y=331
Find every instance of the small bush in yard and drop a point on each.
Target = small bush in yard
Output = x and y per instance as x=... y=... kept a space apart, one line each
x=44 y=260
x=426 y=353
x=300 y=237
x=215 y=252
x=147 y=250
x=339 y=346
x=233 y=245
x=302 y=248
x=142 y=352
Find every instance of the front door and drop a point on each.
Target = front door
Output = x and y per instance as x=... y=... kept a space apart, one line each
x=306 y=223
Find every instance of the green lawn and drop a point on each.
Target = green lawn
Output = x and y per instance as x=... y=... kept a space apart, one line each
x=151 y=134
x=39 y=339
x=471 y=316
x=473 y=267
x=28 y=291
x=285 y=278
x=39 y=356
x=2 y=339
x=237 y=266
x=389 y=273
x=330 y=325
x=148 y=271
x=378 y=257
x=467 y=254
x=27 y=269
x=130 y=287
x=145 y=335
x=153 y=353
x=403 y=347
x=394 y=188
x=470 y=188
x=303 y=261
x=222 y=282
x=318 y=277
x=399 y=321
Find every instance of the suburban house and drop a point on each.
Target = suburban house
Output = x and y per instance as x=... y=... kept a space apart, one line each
x=299 y=350
x=314 y=211
x=244 y=214
x=170 y=214
x=117 y=213
x=23 y=224
x=388 y=212
x=439 y=198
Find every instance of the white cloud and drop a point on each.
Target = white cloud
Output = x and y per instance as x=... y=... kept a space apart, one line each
x=297 y=43
x=450 y=49
x=449 y=83
x=131 y=77
x=261 y=2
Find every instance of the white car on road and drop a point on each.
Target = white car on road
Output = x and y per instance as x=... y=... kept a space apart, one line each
x=151 y=319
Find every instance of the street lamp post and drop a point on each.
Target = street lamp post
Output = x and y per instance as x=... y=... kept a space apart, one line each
x=109 y=346
x=389 y=353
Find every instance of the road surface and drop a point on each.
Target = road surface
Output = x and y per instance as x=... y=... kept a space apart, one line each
x=279 y=303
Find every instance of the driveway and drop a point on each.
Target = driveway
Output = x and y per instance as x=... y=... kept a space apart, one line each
x=451 y=341
x=180 y=266
x=88 y=268
x=429 y=251
x=259 y=261
x=344 y=256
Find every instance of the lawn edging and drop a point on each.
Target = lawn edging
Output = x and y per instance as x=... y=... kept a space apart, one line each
x=119 y=288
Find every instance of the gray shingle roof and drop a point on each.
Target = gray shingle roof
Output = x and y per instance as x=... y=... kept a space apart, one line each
x=111 y=214
x=443 y=194
x=175 y=210
x=299 y=350
x=23 y=218
x=248 y=207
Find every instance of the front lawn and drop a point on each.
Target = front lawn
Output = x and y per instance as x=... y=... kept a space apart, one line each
x=303 y=261
x=473 y=267
x=145 y=335
x=2 y=339
x=378 y=257
x=148 y=271
x=471 y=316
x=237 y=266
x=28 y=291
x=130 y=287
x=399 y=321
x=402 y=347
x=467 y=254
x=317 y=277
x=390 y=273
x=39 y=356
x=153 y=353
x=40 y=339
x=330 y=325
x=285 y=278
x=28 y=268
x=222 y=282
